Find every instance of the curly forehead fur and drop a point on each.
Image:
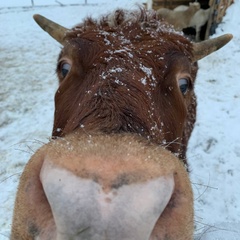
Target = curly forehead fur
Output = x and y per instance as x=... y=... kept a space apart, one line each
x=134 y=26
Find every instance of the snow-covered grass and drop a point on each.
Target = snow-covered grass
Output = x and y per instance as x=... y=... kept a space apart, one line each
x=214 y=151
x=28 y=83
x=43 y=3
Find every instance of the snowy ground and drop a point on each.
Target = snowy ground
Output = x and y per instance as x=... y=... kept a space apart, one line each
x=28 y=83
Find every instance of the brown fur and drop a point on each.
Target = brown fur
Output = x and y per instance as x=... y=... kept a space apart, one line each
x=100 y=98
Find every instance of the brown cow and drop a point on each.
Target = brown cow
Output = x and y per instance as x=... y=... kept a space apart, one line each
x=125 y=99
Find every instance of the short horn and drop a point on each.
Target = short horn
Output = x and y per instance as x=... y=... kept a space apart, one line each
x=202 y=49
x=53 y=29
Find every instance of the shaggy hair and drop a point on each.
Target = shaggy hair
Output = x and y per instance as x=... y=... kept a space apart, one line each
x=123 y=79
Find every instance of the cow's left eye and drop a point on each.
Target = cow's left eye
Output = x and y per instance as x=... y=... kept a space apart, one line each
x=64 y=69
x=183 y=84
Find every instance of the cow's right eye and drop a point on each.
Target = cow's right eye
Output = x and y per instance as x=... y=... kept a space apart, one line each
x=183 y=85
x=64 y=69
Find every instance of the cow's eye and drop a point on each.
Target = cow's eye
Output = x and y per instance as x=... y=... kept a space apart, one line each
x=183 y=84
x=64 y=69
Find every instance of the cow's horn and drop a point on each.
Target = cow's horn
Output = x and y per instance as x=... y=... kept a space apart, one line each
x=202 y=49
x=53 y=29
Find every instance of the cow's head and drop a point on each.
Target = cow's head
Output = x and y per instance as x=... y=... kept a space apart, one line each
x=127 y=72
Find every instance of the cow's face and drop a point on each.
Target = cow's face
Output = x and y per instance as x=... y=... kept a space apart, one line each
x=127 y=72
x=140 y=84
x=126 y=77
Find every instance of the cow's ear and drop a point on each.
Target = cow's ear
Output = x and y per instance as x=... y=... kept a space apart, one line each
x=204 y=48
x=55 y=30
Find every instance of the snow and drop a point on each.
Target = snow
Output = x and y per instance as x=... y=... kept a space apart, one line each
x=40 y=3
x=28 y=84
x=214 y=151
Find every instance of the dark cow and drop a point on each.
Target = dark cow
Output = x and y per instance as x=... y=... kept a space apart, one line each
x=124 y=111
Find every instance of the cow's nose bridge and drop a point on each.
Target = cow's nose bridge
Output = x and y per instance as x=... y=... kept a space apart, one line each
x=83 y=209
